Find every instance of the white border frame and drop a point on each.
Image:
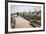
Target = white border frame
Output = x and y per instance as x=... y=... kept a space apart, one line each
x=24 y=29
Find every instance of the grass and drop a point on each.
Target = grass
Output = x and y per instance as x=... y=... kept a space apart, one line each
x=35 y=17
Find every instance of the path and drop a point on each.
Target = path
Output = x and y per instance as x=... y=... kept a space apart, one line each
x=22 y=23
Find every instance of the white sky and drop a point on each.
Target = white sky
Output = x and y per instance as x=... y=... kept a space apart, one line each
x=22 y=8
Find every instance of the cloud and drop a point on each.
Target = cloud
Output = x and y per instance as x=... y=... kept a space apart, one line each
x=23 y=8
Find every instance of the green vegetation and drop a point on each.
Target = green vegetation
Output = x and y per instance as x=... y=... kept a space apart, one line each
x=35 y=17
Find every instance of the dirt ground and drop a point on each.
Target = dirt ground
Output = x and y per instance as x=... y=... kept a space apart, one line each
x=22 y=23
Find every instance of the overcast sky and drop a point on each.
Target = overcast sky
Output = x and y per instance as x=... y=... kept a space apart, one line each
x=23 y=8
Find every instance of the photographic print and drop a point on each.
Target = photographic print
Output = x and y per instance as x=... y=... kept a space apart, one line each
x=25 y=17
